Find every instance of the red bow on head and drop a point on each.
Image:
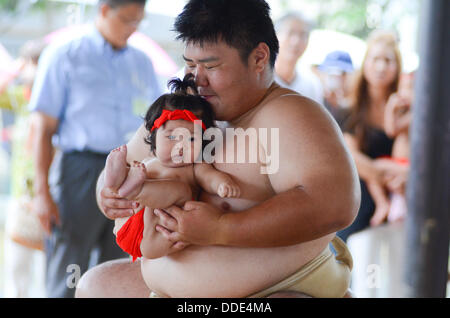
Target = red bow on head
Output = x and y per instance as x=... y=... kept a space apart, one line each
x=175 y=115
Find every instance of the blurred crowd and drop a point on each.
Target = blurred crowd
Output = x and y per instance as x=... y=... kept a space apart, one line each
x=371 y=105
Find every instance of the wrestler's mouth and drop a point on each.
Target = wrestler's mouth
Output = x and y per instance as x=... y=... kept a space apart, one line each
x=207 y=97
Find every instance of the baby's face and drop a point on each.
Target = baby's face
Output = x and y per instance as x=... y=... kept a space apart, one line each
x=178 y=143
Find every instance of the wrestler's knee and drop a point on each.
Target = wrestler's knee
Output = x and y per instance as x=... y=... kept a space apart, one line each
x=288 y=294
x=92 y=282
x=117 y=278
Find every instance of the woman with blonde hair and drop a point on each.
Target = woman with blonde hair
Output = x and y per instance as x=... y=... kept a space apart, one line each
x=364 y=131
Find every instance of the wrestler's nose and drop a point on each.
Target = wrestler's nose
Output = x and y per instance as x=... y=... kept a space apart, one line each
x=200 y=77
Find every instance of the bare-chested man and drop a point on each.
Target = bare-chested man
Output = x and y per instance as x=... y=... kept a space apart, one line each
x=274 y=238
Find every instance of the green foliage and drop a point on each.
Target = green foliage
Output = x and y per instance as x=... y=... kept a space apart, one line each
x=12 y=6
x=8 y=5
x=348 y=17
x=357 y=17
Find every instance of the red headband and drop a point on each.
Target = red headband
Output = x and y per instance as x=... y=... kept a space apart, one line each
x=175 y=115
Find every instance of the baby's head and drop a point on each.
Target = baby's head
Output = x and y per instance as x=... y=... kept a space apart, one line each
x=172 y=134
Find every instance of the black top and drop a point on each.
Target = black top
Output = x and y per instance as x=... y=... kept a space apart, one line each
x=378 y=143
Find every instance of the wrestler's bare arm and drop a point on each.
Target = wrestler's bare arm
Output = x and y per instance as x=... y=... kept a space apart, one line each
x=157 y=194
x=161 y=194
x=215 y=181
x=316 y=185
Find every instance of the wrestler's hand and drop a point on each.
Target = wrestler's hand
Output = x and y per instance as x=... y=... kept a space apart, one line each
x=198 y=223
x=46 y=210
x=113 y=206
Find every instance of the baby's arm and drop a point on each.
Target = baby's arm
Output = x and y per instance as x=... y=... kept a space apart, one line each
x=381 y=200
x=215 y=181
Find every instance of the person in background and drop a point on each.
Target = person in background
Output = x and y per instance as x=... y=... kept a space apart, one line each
x=334 y=72
x=293 y=32
x=364 y=130
x=88 y=98
x=398 y=117
x=24 y=233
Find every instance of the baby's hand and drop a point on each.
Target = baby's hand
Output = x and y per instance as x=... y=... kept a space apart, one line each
x=228 y=189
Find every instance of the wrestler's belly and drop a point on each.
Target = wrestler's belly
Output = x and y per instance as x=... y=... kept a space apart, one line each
x=226 y=272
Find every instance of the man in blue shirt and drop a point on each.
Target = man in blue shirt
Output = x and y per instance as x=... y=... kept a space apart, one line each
x=88 y=98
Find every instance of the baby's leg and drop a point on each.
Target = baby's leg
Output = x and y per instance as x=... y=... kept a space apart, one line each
x=116 y=168
x=133 y=183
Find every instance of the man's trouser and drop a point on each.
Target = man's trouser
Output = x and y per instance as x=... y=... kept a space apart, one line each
x=85 y=236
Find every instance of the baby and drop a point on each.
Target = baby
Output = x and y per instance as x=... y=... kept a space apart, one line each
x=170 y=177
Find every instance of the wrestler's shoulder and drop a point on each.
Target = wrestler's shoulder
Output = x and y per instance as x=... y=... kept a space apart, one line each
x=283 y=102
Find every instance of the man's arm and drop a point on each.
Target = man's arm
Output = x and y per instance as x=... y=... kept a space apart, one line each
x=44 y=127
x=317 y=187
x=161 y=194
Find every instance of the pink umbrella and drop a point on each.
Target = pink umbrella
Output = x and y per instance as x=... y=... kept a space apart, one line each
x=163 y=63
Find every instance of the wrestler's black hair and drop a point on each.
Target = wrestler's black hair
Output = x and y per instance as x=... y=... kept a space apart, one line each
x=184 y=95
x=119 y=3
x=242 y=24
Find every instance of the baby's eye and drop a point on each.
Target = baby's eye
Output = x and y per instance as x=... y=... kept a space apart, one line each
x=171 y=137
x=192 y=139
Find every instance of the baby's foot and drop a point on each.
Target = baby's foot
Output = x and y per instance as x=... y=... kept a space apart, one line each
x=118 y=223
x=116 y=168
x=132 y=185
x=229 y=189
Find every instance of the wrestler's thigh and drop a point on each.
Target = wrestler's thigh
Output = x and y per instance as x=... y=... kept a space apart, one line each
x=113 y=279
x=288 y=294
x=291 y=294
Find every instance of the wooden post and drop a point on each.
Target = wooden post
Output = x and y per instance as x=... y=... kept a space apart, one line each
x=428 y=192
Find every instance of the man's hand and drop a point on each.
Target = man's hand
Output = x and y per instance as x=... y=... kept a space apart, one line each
x=114 y=206
x=197 y=223
x=47 y=211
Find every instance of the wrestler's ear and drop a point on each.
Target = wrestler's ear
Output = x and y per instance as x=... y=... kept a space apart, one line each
x=260 y=57
x=104 y=10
